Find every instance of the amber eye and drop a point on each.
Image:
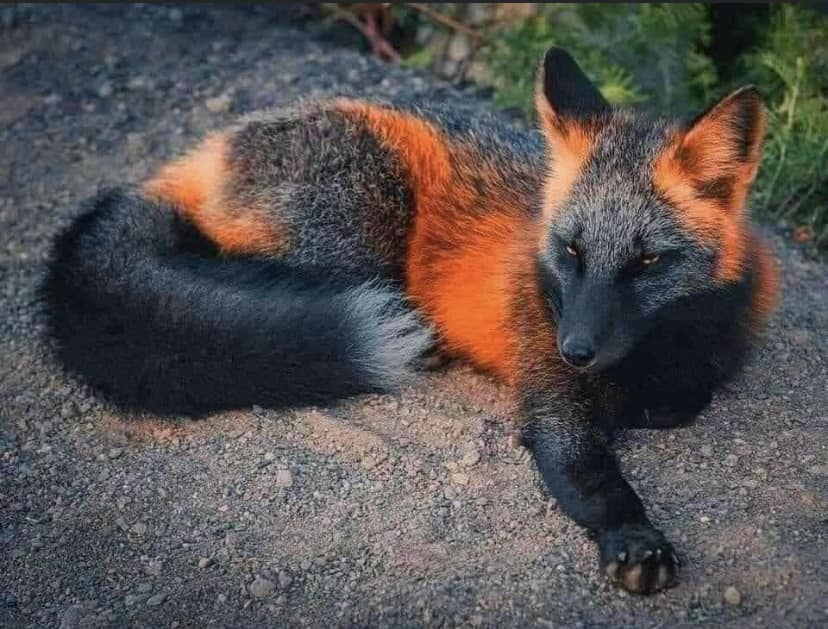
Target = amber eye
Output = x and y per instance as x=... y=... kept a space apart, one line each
x=571 y=250
x=649 y=260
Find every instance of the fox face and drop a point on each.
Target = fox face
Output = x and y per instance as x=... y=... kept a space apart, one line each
x=641 y=217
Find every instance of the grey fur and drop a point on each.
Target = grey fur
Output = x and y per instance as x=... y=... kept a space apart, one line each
x=389 y=338
x=337 y=194
x=615 y=215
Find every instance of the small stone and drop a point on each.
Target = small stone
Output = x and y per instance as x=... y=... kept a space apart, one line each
x=72 y=617
x=261 y=587
x=285 y=580
x=176 y=16
x=284 y=478
x=155 y=601
x=139 y=528
x=732 y=596
x=219 y=104
x=731 y=460
x=222 y=555
x=154 y=567
x=471 y=458
x=269 y=457
x=205 y=562
x=460 y=478
x=306 y=565
x=137 y=82
x=105 y=90
x=707 y=451
x=144 y=588
x=818 y=470
x=114 y=453
x=221 y=598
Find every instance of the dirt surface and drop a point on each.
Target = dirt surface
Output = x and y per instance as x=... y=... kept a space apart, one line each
x=396 y=510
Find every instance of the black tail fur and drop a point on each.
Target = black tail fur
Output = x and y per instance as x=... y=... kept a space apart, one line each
x=146 y=311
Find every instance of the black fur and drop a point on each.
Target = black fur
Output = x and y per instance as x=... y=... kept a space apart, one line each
x=569 y=92
x=147 y=312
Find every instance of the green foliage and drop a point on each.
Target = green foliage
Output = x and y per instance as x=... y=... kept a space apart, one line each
x=790 y=64
x=637 y=54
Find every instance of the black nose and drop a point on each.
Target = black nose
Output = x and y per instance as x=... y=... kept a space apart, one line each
x=577 y=352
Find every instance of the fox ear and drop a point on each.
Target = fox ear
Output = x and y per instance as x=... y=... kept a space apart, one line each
x=564 y=93
x=719 y=152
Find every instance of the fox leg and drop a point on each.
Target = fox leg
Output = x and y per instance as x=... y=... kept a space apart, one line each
x=574 y=460
x=581 y=472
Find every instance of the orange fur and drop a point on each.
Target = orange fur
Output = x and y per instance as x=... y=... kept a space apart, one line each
x=709 y=155
x=704 y=217
x=466 y=288
x=767 y=289
x=570 y=146
x=195 y=184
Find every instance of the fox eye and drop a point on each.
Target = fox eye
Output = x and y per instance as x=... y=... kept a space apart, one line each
x=649 y=260
x=571 y=249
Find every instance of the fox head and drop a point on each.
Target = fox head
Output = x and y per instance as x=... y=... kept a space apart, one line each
x=639 y=215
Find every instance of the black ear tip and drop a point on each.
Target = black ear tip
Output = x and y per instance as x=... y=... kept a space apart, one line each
x=557 y=59
x=748 y=95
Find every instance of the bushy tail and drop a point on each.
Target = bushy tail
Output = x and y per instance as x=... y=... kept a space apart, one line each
x=146 y=313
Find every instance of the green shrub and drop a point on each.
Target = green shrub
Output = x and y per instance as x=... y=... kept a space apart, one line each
x=642 y=54
x=790 y=66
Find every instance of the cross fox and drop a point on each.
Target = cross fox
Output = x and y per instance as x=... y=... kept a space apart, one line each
x=604 y=267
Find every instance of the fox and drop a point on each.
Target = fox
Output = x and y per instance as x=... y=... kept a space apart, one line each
x=603 y=266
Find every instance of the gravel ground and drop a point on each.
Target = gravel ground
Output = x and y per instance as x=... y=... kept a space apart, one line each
x=412 y=510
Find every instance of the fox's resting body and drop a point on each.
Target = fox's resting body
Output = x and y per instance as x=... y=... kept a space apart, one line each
x=268 y=265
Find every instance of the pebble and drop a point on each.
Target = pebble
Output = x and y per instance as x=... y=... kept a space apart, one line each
x=134 y=599
x=460 y=479
x=285 y=580
x=143 y=588
x=731 y=460
x=261 y=587
x=72 y=617
x=284 y=478
x=105 y=90
x=155 y=601
x=114 y=453
x=818 y=470
x=732 y=596
x=222 y=555
x=139 y=528
x=707 y=451
x=205 y=562
x=471 y=458
x=219 y=104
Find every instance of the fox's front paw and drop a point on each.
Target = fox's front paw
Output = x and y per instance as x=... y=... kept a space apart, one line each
x=638 y=558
